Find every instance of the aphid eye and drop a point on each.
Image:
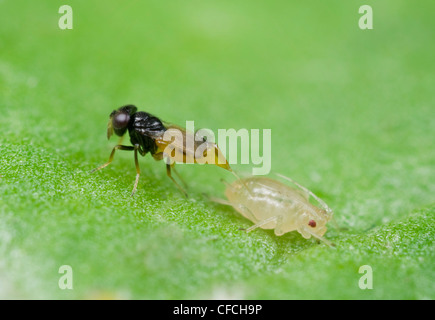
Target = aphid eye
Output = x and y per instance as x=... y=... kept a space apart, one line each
x=312 y=223
x=120 y=120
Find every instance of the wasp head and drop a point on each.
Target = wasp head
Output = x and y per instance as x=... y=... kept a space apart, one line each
x=119 y=120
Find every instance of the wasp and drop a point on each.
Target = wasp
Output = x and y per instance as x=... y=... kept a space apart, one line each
x=164 y=141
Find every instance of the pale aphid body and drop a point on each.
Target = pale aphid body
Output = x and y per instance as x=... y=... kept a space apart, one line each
x=270 y=204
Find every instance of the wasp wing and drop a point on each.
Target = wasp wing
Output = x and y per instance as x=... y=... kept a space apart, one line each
x=184 y=146
x=177 y=143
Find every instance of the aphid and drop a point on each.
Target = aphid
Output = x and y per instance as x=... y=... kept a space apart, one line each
x=147 y=134
x=271 y=204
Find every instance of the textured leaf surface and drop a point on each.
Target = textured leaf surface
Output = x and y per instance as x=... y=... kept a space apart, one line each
x=352 y=118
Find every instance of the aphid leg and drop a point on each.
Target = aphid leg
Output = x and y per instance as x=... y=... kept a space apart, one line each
x=168 y=172
x=221 y=201
x=262 y=223
x=249 y=214
x=136 y=162
x=329 y=243
x=120 y=147
x=320 y=201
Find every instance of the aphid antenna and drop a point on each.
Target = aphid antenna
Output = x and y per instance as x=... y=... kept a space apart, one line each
x=334 y=222
x=320 y=201
x=329 y=243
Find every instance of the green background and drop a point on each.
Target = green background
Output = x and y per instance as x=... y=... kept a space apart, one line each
x=352 y=118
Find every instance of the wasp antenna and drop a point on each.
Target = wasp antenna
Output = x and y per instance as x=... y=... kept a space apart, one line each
x=109 y=128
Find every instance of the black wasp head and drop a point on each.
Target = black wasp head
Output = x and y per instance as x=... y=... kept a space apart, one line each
x=119 y=120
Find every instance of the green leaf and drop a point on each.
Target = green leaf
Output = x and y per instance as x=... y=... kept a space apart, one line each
x=351 y=114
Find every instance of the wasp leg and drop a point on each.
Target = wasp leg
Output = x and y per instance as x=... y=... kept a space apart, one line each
x=136 y=162
x=179 y=177
x=120 y=147
x=168 y=172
